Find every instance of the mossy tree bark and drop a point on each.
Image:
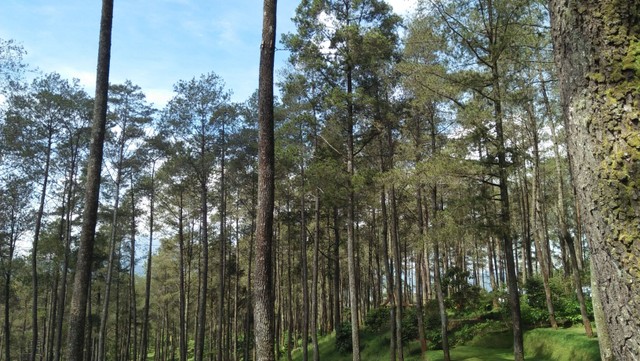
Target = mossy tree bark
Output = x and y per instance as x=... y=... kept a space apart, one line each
x=597 y=51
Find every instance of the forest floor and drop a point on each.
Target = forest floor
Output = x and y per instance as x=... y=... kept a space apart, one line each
x=541 y=344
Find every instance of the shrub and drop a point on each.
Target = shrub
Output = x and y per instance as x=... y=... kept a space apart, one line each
x=464 y=296
x=410 y=324
x=534 y=289
x=377 y=319
x=532 y=316
x=343 y=337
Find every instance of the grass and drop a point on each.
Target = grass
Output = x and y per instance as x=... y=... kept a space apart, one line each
x=562 y=345
x=540 y=345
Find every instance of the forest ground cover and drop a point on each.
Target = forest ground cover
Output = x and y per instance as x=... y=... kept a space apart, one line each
x=541 y=344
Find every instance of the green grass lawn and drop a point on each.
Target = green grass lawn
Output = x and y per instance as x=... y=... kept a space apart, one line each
x=540 y=345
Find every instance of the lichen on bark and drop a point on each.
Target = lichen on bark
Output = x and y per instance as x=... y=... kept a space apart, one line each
x=598 y=56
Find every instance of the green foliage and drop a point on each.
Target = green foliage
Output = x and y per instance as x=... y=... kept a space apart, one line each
x=377 y=319
x=532 y=316
x=410 y=324
x=464 y=296
x=566 y=303
x=534 y=289
x=468 y=332
x=343 y=337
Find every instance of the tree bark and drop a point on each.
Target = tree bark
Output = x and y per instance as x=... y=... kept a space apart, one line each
x=596 y=51
x=223 y=252
x=303 y=254
x=77 y=314
x=336 y=271
x=397 y=257
x=147 y=297
x=34 y=249
x=263 y=278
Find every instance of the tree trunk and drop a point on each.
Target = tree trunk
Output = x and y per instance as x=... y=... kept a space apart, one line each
x=436 y=255
x=604 y=340
x=263 y=284
x=505 y=218
x=203 y=272
x=316 y=263
x=562 y=215
x=223 y=252
x=419 y=261
x=397 y=256
x=336 y=271
x=77 y=315
x=303 y=256
x=438 y=278
x=147 y=298
x=34 y=249
x=314 y=282
x=104 y=315
x=386 y=258
x=248 y=317
x=538 y=219
x=596 y=50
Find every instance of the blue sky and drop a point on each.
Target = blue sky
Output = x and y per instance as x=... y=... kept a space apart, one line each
x=155 y=43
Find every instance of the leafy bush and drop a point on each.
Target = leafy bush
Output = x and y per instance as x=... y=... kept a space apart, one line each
x=568 y=309
x=343 y=337
x=377 y=319
x=432 y=325
x=410 y=324
x=534 y=289
x=464 y=296
x=532 y=316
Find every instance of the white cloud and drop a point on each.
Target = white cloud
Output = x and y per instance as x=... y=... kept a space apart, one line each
x=158 y=96
x=403 y=7
x=87 y=78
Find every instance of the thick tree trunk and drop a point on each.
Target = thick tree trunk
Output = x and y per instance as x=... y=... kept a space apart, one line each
x=77 y=314
x=263 y=285
x=596 y=52
x=606 y=351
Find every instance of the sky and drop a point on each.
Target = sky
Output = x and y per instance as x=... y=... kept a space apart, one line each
x=155 y=43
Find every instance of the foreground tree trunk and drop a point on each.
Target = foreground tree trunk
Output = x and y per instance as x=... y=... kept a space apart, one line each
x=263 y=309
x=596 y=51
x=77 y=314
